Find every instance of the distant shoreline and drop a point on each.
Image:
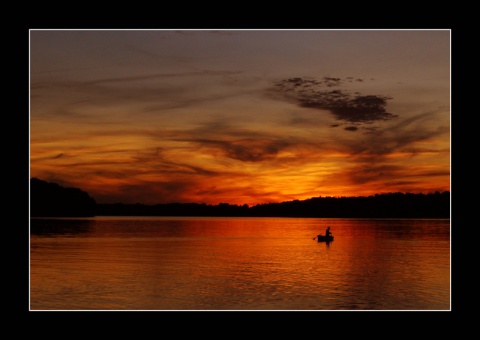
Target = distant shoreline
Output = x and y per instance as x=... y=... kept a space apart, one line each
x=437 y=207
x=53 y=200
x=394 y=205
x=176 y=216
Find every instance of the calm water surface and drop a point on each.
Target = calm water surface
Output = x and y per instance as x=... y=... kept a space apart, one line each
x=184 y=263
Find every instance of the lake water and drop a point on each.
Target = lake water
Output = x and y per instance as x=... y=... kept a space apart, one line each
x=215 y=263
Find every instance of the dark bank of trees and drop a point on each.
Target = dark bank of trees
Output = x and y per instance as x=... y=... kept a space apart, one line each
x=50 y=199
x=173 y=209
x=391 y=205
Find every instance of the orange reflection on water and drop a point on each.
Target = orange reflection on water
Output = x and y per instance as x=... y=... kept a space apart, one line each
x=241 y=263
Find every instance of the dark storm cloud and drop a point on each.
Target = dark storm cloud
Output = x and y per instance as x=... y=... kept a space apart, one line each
x=326 y=94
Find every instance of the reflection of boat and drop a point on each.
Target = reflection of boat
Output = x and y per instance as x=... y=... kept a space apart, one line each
x=323 y=238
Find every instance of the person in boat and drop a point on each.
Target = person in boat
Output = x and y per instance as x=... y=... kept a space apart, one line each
x=327 y=233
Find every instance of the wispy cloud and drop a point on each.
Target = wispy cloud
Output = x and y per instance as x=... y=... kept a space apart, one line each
x=221 y=139
x=139 y=94
x=246 y=149
x=161 y=76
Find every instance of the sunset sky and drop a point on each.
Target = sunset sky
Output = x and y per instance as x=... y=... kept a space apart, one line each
x=240 y=116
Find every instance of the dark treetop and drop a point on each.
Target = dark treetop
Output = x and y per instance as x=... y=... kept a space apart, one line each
x=52 y=200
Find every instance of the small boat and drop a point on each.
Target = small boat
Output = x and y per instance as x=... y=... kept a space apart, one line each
x=323 y=238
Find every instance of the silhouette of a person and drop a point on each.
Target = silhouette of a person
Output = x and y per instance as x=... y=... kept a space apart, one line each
x=327 y=232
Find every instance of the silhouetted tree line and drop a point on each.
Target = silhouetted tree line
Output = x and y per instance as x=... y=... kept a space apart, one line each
x=391 y=205
x=48 y=199
x=173 y=209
